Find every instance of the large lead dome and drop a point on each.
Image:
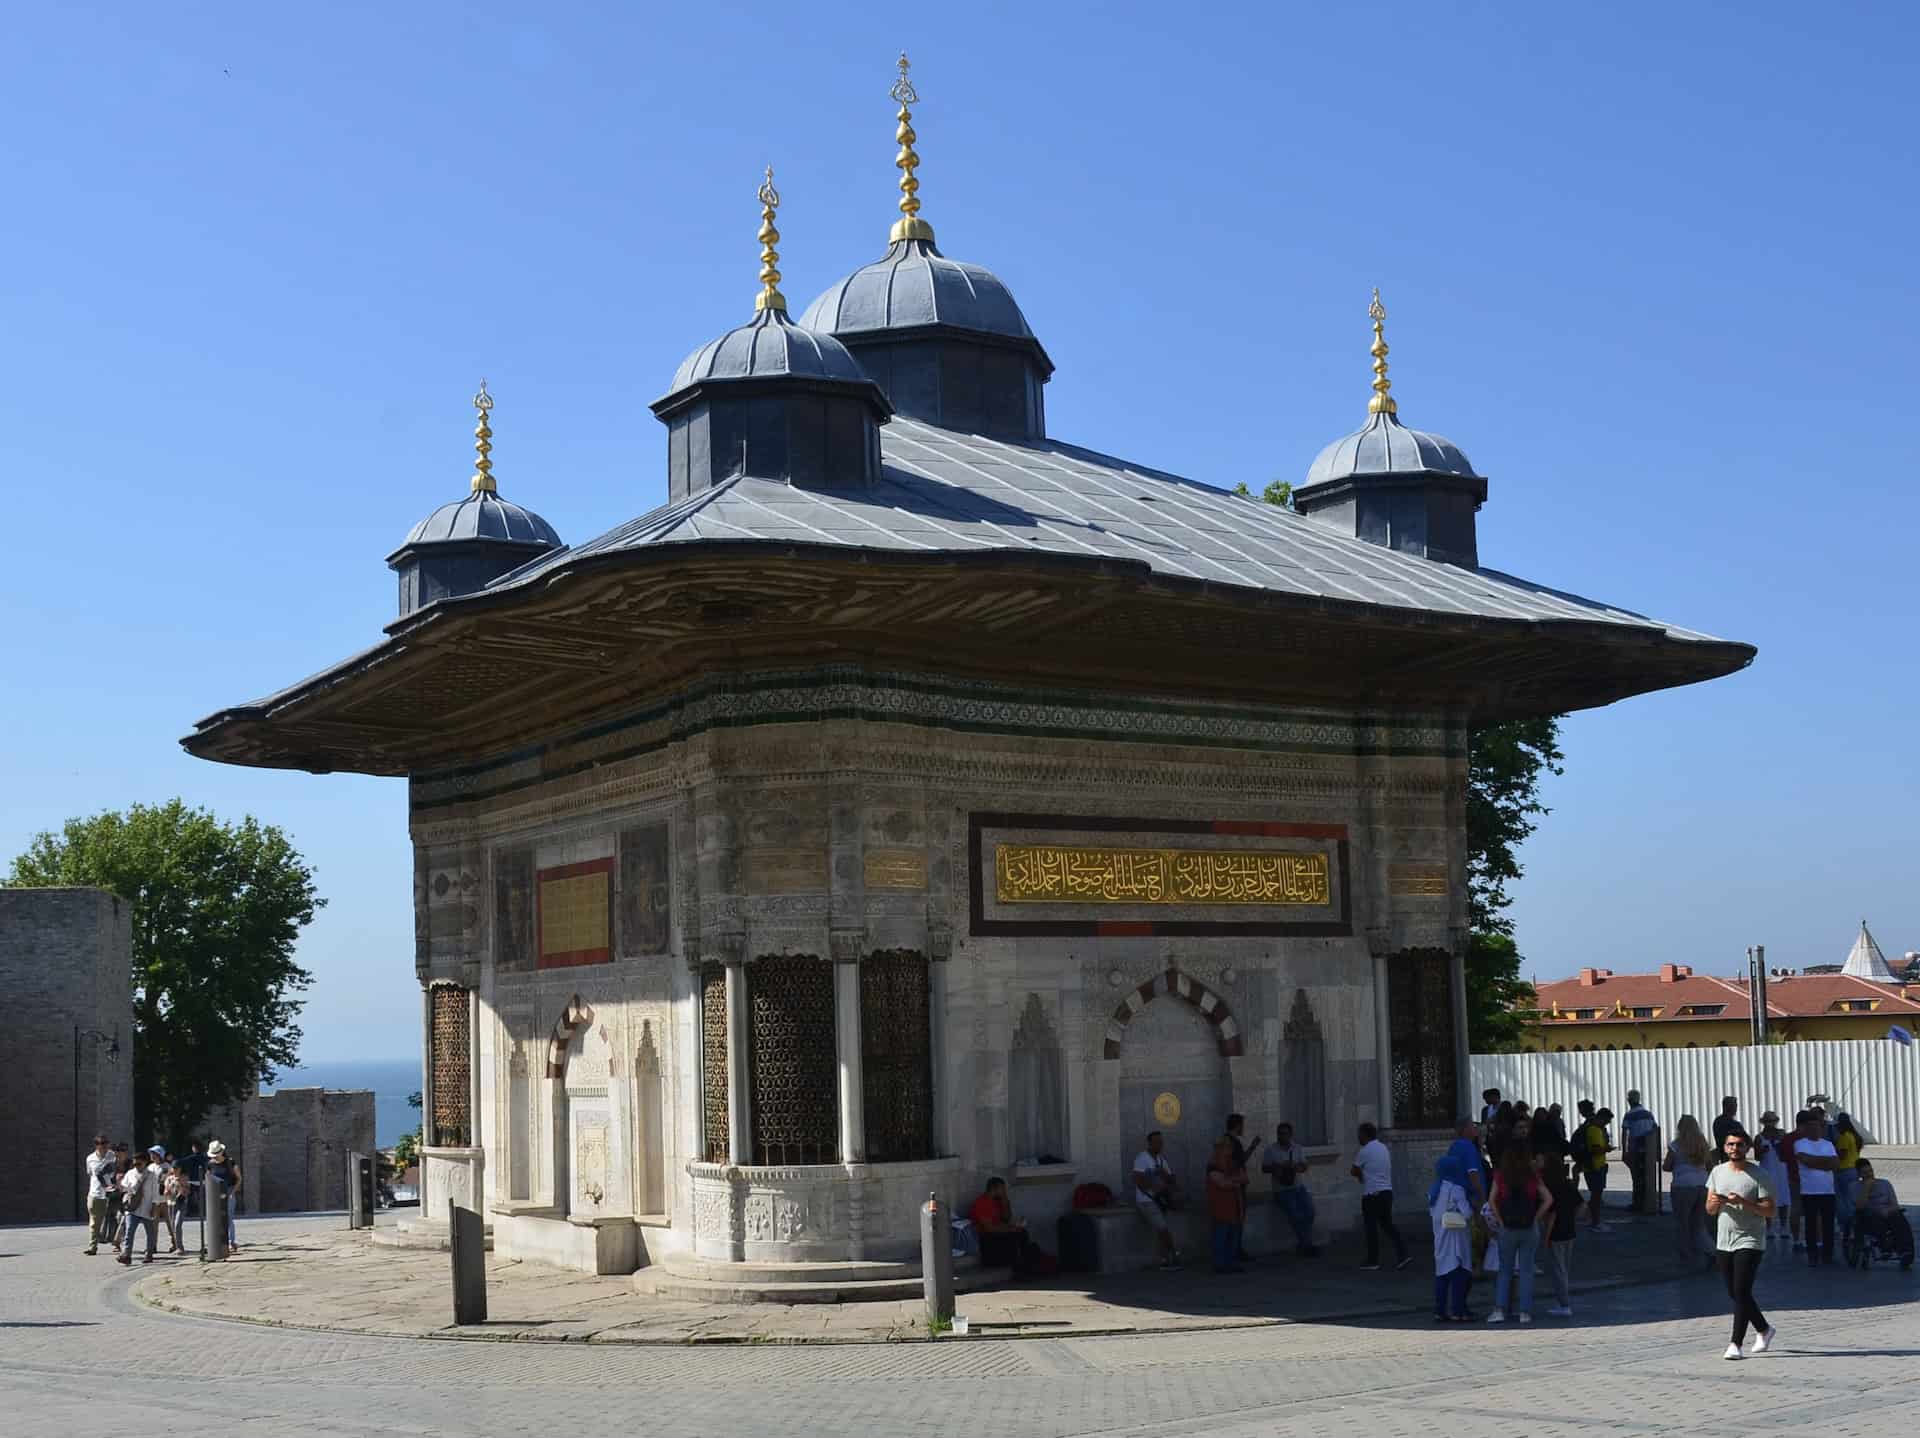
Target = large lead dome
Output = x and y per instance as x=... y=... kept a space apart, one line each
x=943 y=339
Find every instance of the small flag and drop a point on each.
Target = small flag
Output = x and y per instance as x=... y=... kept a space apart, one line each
x=1900 y=1036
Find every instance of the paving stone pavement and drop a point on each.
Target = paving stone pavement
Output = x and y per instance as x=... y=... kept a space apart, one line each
x=78 y=1356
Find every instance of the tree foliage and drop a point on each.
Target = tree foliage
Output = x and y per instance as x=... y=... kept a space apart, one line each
x=1278 y=492
x=1504 y=765
x=216 y=910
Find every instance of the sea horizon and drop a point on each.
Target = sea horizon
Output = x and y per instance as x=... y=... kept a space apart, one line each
x=393 y=1081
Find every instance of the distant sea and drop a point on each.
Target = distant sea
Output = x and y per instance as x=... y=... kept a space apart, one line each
x=391 y=1084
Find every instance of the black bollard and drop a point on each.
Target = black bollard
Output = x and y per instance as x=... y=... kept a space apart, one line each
x=936 y=1263
x=213 y=1231
x=469 y=1247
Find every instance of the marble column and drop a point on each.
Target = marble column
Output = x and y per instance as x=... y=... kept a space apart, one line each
x=846 y=1033
x=1383 y=1035
x=937 y=1056
x=1457 y=990
x=739 y=1036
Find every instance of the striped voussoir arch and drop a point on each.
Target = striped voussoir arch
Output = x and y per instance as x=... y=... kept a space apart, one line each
x=577 y=1016
x=1213 y=1009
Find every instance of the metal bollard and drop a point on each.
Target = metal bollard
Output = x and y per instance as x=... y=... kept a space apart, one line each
x=1650 y=1158
x=468 y=1242
x=360 y=1191
x=213 y=1209
x=936 y=1263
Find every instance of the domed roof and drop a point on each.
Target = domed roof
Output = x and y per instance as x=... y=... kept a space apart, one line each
x=482 y=516
x=771 y=346
x=1383 y=445
x=914 y=284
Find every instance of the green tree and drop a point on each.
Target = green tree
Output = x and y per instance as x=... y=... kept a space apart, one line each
x=1504 y=766
x=1278 y=492
x=216 y=910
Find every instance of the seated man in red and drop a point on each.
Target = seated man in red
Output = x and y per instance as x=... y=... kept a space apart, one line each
x=1003 y=1238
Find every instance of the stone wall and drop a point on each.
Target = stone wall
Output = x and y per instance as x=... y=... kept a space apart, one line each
x=65 y=963
x=292 y=1146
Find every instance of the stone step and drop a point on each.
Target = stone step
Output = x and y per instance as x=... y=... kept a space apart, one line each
x=707 y=1270
x=663 y=1283
x=418 y=1235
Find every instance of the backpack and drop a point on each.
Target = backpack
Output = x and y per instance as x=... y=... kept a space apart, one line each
x=1092 y=1195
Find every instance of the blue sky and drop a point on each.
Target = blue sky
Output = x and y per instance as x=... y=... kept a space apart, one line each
x=1652 y=268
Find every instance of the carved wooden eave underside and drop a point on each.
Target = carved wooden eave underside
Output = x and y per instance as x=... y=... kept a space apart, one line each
x=477 y=676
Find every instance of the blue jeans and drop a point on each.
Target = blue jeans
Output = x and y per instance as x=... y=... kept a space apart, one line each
x=134 y=1221
x=1517 y=1250
x=1226 y=1246
x=233 y=1236
x=1845 y=1183
x=1297 y=1204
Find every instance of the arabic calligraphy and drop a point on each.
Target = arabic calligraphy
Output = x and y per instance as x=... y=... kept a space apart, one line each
x=1057 y=874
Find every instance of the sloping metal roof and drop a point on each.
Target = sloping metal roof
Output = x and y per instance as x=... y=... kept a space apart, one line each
x=943 y=491
x=1865 y=961
x=1383 y=445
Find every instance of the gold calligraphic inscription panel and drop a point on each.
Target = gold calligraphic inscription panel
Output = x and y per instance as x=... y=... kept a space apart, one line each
x=1062 y=874
x=573 y=914
x=896 y=869
x=1426 y=880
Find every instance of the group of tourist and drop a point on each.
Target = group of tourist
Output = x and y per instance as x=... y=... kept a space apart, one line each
x=1156 y=1191
x=135 y=1192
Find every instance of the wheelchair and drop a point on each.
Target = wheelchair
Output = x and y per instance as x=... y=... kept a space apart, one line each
x=1869 y=1243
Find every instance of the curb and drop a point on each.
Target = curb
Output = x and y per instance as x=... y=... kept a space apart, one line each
x=752 y=1340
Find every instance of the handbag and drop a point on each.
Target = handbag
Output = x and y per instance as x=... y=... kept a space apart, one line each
x=1453 y=1218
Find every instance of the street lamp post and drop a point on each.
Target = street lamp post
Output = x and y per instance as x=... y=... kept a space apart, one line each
x=112 y=1041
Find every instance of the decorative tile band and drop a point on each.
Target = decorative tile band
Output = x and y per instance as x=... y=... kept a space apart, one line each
x=851 y=692
x=1062 y=874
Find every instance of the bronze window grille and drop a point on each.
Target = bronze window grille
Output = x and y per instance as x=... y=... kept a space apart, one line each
x=713 y=1062
x=1420 y=1009
x=451 y=1067
x=896 y=1056
x=795 y=1072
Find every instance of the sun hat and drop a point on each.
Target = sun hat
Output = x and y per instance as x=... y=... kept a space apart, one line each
x=216 y=1149
x=159 y=1149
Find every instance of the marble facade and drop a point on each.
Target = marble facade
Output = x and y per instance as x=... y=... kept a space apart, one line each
x=853 y=817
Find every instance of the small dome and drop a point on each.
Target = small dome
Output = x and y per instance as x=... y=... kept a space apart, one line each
x=770 y=347
x=482 y=516
x=1383 y=445
x=914 y=284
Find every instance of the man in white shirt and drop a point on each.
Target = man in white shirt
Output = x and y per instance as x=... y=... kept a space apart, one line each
x=1636 y=1127
x=1373 y=1166
x=139 y=1192
x=100 y=1166
x=1153 y=1192
x=1816 y=1159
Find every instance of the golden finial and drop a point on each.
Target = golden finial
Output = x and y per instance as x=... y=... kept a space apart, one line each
x=1382 y=401
x=769 y=297
x=483 y=443
x=909 y=226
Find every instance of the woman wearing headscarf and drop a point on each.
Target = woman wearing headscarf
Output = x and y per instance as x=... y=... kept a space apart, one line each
x=1451 y=1209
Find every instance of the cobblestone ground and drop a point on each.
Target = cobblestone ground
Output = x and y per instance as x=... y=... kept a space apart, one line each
x=78 y=1358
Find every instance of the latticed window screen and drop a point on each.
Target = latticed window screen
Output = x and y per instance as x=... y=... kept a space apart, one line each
x=794 y=1075
x=452 y=1067
x=1420 y=999
x=713 y=1061
x=895 y=1055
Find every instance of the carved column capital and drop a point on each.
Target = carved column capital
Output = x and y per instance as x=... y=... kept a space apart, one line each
x=846 y=945
x=939 y=942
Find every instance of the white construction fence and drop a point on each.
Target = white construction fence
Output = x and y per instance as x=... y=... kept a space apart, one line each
x=1876 y=1082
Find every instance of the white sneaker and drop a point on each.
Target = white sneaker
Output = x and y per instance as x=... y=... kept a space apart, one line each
x=1496 y=1316
x=1763 y=1340
x=1526 y=1318
x=1733 y=1351
x=1562 y=1311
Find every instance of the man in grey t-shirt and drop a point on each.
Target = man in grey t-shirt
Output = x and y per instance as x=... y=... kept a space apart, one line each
x=1741 y=1197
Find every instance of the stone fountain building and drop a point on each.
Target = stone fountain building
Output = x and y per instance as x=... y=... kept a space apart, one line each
x=915 y=795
